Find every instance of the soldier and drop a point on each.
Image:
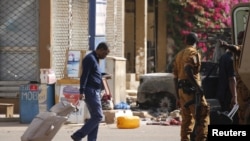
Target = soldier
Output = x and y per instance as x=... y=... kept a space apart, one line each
x=226 y=91
x=243 y=94
x=187 y=79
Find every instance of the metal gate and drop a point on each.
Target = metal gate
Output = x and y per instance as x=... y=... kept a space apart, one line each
x=19 y=40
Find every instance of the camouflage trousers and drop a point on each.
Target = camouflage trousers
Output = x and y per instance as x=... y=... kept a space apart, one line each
x=189 y=119
x=243 y=98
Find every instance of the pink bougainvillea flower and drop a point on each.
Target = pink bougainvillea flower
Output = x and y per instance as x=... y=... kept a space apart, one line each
x=217 y=26
x=184 y=32
x=189 y=24
x=200 y=16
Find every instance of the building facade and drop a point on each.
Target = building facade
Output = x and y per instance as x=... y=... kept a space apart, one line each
x=44 y=29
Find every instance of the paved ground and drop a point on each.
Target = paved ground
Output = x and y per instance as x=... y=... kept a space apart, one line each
x=12 y=131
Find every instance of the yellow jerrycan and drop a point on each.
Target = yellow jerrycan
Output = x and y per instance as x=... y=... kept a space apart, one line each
x=128 y=122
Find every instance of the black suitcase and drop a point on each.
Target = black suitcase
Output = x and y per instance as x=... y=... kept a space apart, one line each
x=215 y=109
x=221 y=117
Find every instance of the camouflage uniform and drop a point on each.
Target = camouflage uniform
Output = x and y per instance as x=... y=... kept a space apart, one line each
x=243 y=96
x=190 y=56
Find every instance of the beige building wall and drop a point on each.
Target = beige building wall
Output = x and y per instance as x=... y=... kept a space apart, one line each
x=115 y=62
x=69 y=31
x=121 y=30
x=115 y=27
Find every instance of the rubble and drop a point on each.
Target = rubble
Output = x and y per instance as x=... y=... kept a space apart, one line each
x=173 y=118
x=151 y=115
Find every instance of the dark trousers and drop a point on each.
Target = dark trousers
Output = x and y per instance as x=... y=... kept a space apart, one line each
x=90 y=128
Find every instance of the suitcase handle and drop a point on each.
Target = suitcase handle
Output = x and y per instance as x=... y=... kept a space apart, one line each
x=233 y=111
x=51 y=128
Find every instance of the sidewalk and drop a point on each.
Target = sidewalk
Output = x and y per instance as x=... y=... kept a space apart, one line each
x=12 y=131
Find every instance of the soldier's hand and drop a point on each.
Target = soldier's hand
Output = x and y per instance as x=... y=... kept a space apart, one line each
x=222 y=43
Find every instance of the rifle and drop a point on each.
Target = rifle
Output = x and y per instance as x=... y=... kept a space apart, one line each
x=197 y=101
x=198 y=95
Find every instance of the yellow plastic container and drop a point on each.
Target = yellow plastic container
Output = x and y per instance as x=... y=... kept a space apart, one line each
x=128 y=122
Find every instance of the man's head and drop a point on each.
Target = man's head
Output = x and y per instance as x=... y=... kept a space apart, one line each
x=102 y=50
x=191 y=38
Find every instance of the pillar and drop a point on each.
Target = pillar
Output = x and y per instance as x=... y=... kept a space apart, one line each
x=141 y=36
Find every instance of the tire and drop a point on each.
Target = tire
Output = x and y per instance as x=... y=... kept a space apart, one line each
x=165 y=101
x=168 y=102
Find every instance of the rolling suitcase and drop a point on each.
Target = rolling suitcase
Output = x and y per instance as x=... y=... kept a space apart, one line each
x=215 y=107
x=228 y=117
x=221 y=117
x=46 y=124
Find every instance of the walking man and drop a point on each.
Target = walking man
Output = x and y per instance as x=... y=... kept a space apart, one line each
x=90 y=89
